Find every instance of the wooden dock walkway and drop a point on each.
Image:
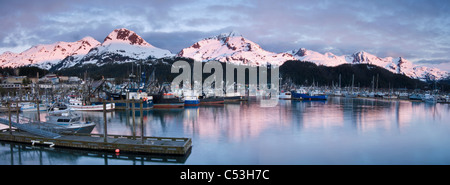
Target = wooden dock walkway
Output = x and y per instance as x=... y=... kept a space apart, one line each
x=134 y=144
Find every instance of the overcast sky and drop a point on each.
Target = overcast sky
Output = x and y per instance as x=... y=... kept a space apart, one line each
x=416 y=30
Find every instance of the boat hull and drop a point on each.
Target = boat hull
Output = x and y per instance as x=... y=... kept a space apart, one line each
x=191 y=102
x=211 y=101
x=230 y=99
x=296 y=96
x=159 y=102
x=109 y=107
x=146 y=105
x=83 y=128
x=31 y=109
x=168 y=105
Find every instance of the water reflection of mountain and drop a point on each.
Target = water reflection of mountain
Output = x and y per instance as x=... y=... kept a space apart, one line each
x=358 y=113
x=24 y=154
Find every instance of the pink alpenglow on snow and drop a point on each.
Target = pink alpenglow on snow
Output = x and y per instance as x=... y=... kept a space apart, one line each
x=234 y=48
x=45 y=56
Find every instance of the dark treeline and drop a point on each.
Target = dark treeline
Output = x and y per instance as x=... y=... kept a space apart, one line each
x=30 y=72
x=304 y=73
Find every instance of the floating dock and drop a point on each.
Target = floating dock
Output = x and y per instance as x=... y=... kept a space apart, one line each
x=134 y=144
x=29 y=133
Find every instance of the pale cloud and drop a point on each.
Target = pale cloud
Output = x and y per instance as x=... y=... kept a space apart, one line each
x=414 y=29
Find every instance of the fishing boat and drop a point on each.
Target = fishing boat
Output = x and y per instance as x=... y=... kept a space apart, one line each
x=167 y=101
x=78 y=105
x=442 y=99
x=69 y=121
x=133 y=94
x=403 y=96
x=416 y=96
x=191 y=101
x=58 y=106
x=165 y=98
x=211 y=100
x=428 y=98
x=379 y=94
x=208 y=97
x=190 y=98
x=351 y=95
x=30 y=106
x=12 y=108
x=337 y=93
x=390 y=96
x=285 y=95
x=303 y=94
x=233 y=97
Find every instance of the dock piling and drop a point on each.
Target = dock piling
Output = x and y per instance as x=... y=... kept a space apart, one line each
x=142 y=120
x=133 y=111
x=9 y=116
x=38 y=111
x=105 y=121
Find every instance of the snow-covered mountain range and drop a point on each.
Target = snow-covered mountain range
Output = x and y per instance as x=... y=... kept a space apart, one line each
x=46 y=56
x=123 y=45
x=397 y=65
x=234 y=48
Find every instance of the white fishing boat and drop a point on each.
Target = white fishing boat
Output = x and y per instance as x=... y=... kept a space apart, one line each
x=338 y=93
x=403 y=96
x=390 y=96
x=285 y=95
x=429 y=98
x=78 y=105
x=30 y=106
x=69 y=121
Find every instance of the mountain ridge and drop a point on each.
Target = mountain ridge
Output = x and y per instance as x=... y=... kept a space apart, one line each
x=123 y=45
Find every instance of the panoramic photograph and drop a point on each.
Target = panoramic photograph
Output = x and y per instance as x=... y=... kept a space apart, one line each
x=200 y=82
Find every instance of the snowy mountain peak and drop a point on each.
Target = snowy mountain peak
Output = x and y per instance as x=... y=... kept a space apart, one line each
x=45 y=55
x=232 y=47
x=124 y=35
x=121 y=45
x=301 y=52
x=396 y=65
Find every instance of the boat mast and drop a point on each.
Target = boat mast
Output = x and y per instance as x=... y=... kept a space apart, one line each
x=353 y=82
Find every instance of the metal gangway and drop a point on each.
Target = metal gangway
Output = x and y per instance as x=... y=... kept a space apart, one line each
x=40 y=129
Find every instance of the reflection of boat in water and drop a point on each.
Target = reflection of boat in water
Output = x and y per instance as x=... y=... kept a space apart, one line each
x=302 y=94
x=69 y=121
x=77 y=105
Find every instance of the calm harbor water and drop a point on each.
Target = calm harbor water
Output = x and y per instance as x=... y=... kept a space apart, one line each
x=337 y=131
